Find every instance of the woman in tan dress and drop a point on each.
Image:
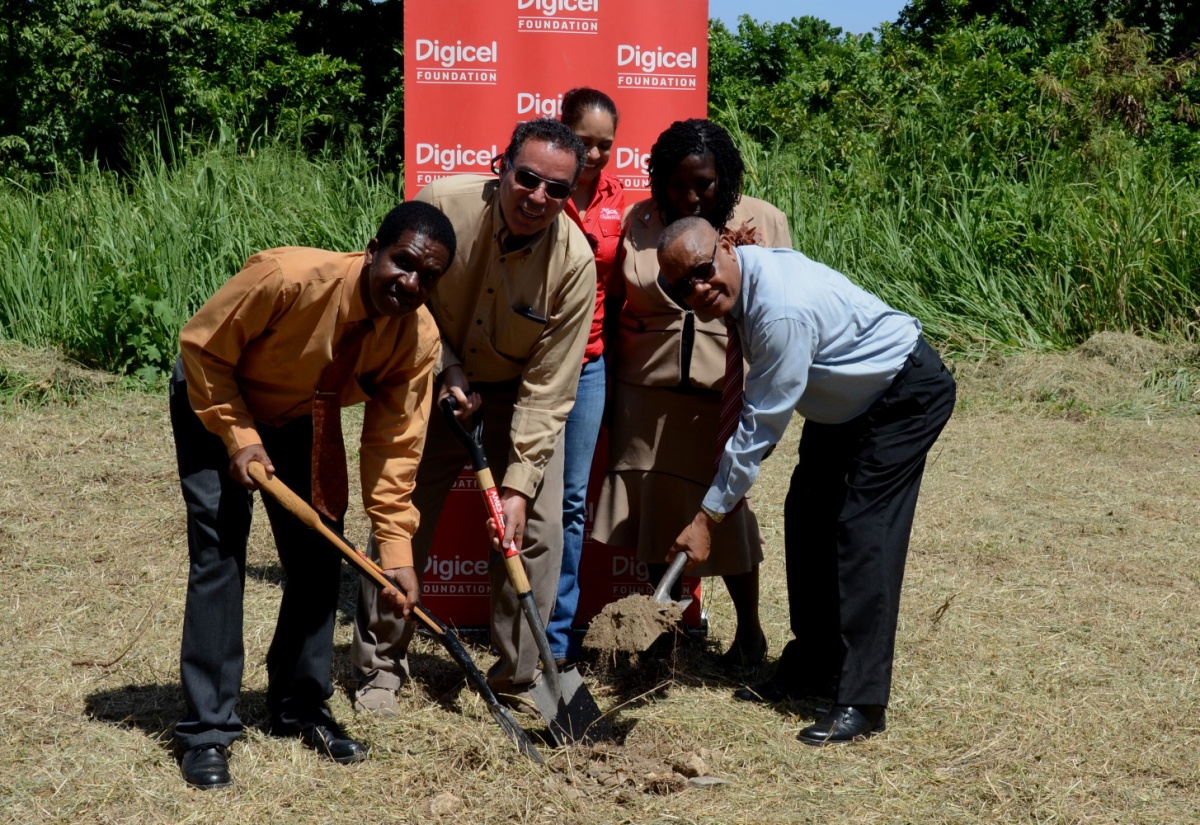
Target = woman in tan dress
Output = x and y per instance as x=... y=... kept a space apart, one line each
x=668 y=370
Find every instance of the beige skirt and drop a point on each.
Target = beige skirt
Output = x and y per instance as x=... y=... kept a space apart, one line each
x=662 y=447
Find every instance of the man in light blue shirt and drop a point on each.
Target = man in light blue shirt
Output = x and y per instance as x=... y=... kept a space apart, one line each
x=875 y=396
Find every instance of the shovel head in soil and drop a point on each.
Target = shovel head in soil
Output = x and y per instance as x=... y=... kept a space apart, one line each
x=563 y=701
x=570 y=711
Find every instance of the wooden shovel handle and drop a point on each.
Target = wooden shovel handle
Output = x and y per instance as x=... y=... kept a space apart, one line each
x=302 y=510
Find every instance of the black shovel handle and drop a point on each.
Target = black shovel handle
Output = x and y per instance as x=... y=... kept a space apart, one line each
x=471 y=438
x=303 y=511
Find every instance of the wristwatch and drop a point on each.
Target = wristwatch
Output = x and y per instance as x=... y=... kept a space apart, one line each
x=712 y=514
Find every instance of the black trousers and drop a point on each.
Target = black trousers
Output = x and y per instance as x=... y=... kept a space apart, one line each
x=218 y=524
x=847 y=520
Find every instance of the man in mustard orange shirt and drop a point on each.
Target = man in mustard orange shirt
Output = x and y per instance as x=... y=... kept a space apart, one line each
x=294 y=330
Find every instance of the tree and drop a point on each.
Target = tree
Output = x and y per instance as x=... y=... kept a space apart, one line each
x=94 y=76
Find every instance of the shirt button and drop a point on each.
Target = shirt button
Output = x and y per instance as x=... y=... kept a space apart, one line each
x=479 y=320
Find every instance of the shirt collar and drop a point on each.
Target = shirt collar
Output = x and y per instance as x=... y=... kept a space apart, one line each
x=738 y=311
x=351 y=307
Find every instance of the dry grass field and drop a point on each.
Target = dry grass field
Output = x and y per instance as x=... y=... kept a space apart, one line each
x=1048 y=661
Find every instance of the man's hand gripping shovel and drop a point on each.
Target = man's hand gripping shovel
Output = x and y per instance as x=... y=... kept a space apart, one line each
x=301 y=509
x=561 y=697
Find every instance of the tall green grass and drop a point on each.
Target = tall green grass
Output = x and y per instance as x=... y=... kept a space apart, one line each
x=109 y=268
x=1039 y=253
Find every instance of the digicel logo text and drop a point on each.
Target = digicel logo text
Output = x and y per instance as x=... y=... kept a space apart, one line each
x=455 y=568
x=530 y=103
x=632 y=158
x=652 y=61
x=450 y=159
x=450 y=56
x=553 y=7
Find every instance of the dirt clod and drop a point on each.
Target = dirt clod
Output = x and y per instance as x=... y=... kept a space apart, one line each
x=631 y=624
x=445 y=804
x=690 y=765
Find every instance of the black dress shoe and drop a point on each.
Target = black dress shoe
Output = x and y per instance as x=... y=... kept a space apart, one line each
x=844 y=723
x=331 y=743
x=205 y=767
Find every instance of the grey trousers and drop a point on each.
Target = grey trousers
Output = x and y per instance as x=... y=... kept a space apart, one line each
x=218 y=523
x=380 y=646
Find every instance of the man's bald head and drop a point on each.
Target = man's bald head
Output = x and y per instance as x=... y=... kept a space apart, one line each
x=691 y=225
x=697 y=268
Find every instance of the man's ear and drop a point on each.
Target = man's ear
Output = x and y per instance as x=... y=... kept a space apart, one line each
x=372 y=251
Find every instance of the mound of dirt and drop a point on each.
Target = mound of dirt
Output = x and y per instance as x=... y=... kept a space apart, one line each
x=631 y=624
x=643 y=767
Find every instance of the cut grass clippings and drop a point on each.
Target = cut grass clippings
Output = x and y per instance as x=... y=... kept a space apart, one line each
x=1047 y=663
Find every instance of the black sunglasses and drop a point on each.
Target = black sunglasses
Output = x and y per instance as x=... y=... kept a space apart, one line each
x=682 y=289
x=556 y=189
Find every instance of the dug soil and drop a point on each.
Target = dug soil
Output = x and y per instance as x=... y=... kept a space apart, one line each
x=631 y=624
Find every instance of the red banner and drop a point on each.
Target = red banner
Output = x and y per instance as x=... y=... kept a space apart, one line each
x=474 y=69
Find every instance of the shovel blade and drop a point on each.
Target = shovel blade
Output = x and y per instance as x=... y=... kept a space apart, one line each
x=571 y=715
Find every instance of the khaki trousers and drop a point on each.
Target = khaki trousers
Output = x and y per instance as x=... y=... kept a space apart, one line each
x=380 y=646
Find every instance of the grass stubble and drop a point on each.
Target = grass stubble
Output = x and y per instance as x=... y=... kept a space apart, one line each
x=1047 y=661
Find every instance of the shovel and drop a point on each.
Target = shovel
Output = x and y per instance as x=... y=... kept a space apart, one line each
x=299 y=508
x=633 y=624
x=561 y=698
x=662 y=594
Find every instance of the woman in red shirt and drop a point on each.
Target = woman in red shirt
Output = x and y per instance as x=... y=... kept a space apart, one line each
x=596 y=205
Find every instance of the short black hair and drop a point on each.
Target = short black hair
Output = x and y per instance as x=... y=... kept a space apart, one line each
x=685 y=138
x=576 y=102
x=676 y=229
x=554 y=132
x=421 y=219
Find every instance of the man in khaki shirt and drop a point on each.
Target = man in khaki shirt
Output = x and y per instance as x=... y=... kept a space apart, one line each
x=514 y=312
x=252 y=360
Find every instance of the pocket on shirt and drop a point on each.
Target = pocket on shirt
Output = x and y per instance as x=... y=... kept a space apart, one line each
x=518 y=332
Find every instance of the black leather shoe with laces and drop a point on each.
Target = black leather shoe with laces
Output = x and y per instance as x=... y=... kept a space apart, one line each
x=206 y=767
x=333 y=744
x=845 y=723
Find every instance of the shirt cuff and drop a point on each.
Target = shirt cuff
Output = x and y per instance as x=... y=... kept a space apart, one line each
x=446 y=359
x=523 y=478
x=719 y=501
x=396 y=554
x=238 y=437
